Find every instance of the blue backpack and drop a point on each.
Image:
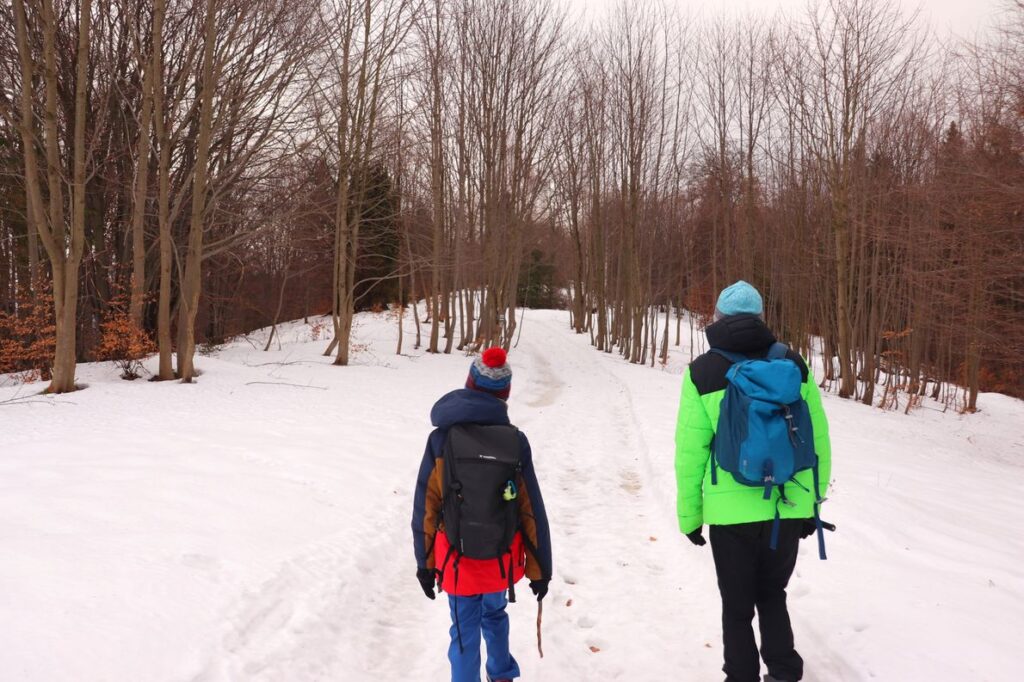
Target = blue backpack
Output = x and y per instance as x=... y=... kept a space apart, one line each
x=764 y=436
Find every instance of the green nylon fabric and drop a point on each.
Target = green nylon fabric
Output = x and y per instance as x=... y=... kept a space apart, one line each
x=729 y=502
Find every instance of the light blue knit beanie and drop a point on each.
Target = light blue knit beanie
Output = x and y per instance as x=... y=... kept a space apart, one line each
x=739 y=299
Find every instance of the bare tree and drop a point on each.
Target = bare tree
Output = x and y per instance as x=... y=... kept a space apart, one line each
x=62 y=235
x=364 y=37
x=859 y=54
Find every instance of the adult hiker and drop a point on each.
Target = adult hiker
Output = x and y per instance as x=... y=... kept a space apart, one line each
x=478 y=519
x=753 y=462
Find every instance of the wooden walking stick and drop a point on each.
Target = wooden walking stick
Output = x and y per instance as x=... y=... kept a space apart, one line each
x=540 y=613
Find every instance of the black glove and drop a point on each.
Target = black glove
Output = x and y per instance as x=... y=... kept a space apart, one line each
x=540 y=587
x=808 y=528
x=697 y=537
x=427 y=580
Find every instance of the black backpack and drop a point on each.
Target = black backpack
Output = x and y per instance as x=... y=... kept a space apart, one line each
x=479 y=508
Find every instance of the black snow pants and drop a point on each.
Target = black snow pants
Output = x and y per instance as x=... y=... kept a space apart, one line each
x=752 y=575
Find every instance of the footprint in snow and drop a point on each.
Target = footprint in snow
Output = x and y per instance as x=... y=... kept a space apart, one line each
x=630 y=482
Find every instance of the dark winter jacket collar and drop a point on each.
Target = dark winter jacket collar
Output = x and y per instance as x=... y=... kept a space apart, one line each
x=740 y=334
x=465 y=406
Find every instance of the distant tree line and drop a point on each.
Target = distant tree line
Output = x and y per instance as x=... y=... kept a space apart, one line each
x=189 y=170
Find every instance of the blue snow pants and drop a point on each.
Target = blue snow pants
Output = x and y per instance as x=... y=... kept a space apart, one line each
x=482 y=613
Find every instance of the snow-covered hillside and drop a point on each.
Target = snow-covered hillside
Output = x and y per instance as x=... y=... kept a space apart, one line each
x=255 y=526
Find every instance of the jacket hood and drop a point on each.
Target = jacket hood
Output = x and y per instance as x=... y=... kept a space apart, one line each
x=465 y=406
x=740 y=334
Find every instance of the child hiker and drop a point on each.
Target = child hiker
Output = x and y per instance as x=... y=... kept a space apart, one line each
x=478 y=519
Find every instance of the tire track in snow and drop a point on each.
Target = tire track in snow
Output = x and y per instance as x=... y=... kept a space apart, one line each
x=614 y=537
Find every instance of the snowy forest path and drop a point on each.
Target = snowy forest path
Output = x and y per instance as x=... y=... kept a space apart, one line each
x=613 y=527
x=347 y=607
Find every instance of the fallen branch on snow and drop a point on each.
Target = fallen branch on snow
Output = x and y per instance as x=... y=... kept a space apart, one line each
x=281 y=383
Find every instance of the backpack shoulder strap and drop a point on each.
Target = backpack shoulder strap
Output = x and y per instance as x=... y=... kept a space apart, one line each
x=777 y=351
x=730 y=356
x=449 y=477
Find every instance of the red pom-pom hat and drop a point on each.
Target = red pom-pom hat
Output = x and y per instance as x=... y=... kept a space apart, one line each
x=491 y=373
x=494 y=357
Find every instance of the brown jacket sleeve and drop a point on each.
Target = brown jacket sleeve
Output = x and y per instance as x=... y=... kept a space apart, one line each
x=528 y=526
x=433 y=510
x=534 y=519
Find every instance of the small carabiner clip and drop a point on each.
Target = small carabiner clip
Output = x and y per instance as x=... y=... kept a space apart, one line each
x=510 y=492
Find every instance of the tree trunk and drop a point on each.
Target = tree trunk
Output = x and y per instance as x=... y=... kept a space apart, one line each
x=166 y=371
x=191 y=284
x=436 y=185
x=35 y=213
x=840 y=226
x=139 y=204
x=64 y=251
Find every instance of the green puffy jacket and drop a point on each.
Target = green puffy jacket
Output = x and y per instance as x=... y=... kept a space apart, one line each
x=729 y=502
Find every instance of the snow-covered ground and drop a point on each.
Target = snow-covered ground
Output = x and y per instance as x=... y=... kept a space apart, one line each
x=255 y=526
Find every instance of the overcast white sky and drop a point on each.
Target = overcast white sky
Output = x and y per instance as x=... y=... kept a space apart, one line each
x=963 y=17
